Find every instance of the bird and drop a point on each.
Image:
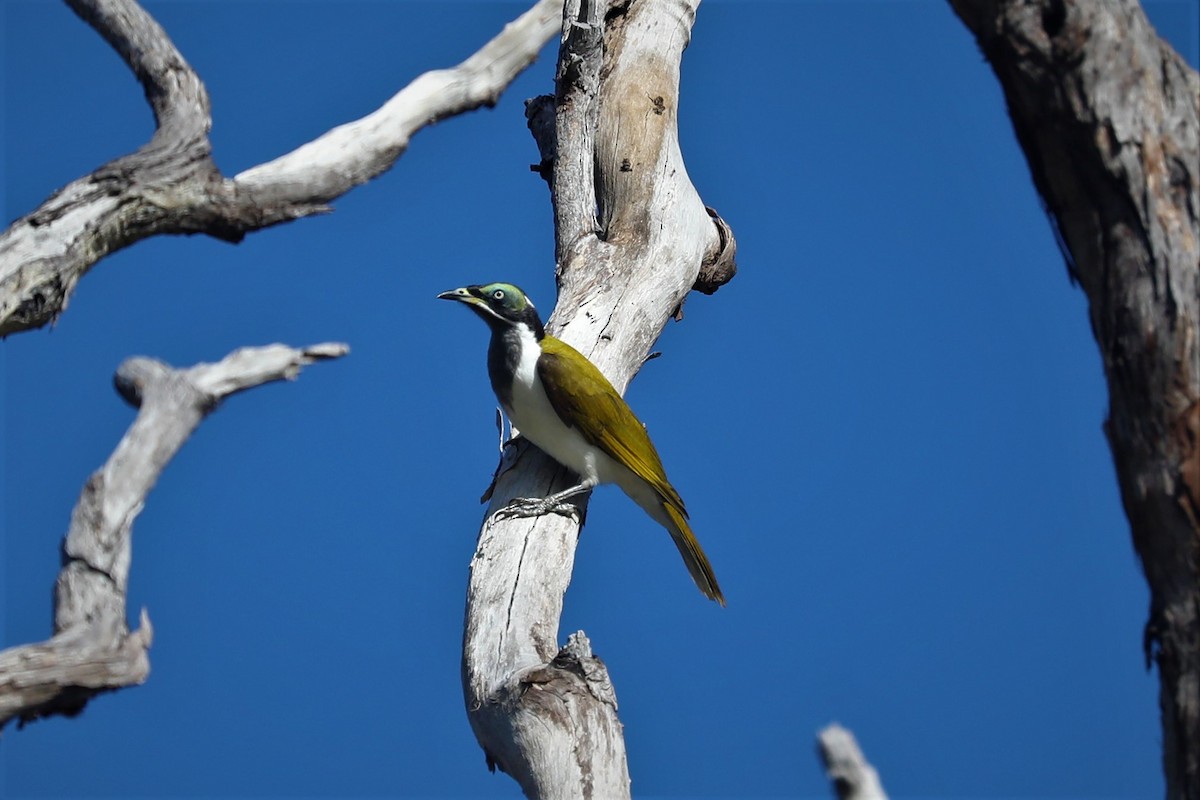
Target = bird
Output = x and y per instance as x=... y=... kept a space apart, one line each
x=562 y=403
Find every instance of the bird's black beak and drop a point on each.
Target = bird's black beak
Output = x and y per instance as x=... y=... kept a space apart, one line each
x=470 y=298
x=455 y=294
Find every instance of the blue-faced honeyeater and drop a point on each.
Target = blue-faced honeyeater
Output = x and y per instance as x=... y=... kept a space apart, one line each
x=562 y=403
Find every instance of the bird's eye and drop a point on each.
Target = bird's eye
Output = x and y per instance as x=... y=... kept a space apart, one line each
x=498 y=294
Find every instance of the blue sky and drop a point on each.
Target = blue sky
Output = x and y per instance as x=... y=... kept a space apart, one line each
x=887 y=428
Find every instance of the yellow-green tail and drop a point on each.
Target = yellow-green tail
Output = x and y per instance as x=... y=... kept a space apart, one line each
x=693 y=556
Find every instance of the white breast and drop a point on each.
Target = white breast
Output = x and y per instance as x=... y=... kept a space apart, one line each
x=536 y=419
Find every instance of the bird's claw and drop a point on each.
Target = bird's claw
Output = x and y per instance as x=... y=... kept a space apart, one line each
x=524 y=507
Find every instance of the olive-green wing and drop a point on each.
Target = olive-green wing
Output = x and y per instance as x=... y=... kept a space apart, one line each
x=585 y=400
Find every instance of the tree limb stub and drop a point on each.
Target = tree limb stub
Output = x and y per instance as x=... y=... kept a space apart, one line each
x=608 y=141
x=852 y=775
x=172 y=186
x=1108 y=116
x=92 y=650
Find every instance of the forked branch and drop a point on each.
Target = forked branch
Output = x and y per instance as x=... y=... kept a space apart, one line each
x=171 y=185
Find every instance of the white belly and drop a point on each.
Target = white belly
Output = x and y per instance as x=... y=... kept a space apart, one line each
x=535 y=418
x=532 y=415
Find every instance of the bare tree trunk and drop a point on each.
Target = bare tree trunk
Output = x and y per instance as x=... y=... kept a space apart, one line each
x=1109 y=118
x=92 y=650
x=609 y=145
x=172 y=185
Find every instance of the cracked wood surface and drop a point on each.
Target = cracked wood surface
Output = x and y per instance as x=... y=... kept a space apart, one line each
x=609 y=143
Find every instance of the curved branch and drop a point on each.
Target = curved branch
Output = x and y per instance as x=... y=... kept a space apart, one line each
x=608 y=142
x=92 y=650
x=172 y=88
x=351 y=154
x=1109 y=118
x=171 y=185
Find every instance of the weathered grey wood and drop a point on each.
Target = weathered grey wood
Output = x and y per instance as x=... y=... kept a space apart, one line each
x=1109 y=118
x=171 y=185
x=92 y=650
x=608 y=140
x=852 y=775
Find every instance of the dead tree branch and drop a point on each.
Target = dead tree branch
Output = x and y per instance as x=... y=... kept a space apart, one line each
x=92 y=650
x=608 y=141
x=1109 y=118
x=171 y=185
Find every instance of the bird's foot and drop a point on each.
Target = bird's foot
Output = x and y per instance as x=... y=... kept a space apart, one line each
x=523 y=507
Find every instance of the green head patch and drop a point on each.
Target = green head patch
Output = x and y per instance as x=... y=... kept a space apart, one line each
x=504 y=297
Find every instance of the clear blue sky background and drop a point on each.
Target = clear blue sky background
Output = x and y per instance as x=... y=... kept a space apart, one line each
x=887 y=427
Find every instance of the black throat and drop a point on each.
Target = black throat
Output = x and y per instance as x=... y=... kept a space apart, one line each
x=504 y=350
x=504 y=356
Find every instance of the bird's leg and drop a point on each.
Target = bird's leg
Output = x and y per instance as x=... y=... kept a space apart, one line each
x=520 y=507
